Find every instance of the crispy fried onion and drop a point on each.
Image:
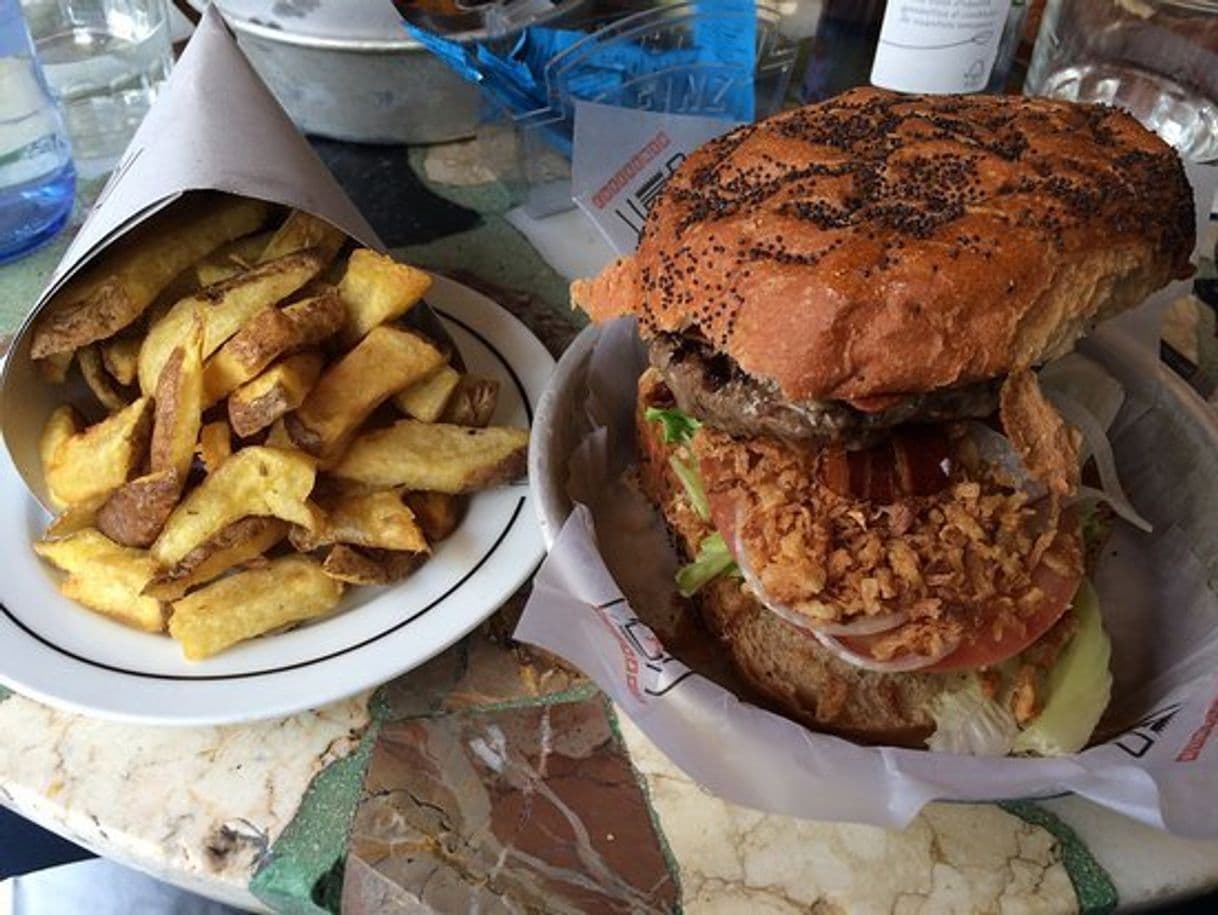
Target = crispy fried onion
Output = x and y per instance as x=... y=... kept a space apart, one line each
x=1047 y=446
x=865 y=625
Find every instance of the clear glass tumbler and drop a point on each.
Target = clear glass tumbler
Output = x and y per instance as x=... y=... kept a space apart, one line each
x=105 y=60
x=1158 y=59
x=37 y=183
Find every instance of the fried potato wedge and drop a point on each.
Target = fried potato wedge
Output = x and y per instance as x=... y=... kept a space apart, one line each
x=376 y=289
x=375 y=567
x=223 y=309
x=97 y=461
x=106 y=577
x=98 y=379
x=73 y=520
x=215 y=445
x=473 y=403
x=425 y=400
x=240 y=542
x=121 y=356
x=136 y=511
x=287 y=590
x=273 y=394
x=436 y=457
x=384 y=362
x=377 y=519
x=437 y=513
x=179 y=407
x=235 y=257
x=53 y=369
x=63 y=423
x=303 y=230
x=254 y=481
x=267 y=336
x=278 y=436
x=118 y=287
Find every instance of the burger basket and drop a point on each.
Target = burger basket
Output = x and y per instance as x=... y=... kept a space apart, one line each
x=606 y=587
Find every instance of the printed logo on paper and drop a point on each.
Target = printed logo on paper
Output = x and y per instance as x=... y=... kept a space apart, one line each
x=1139 y=739
x=650 y=671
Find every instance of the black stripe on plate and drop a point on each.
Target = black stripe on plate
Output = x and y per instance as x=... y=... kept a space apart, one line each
x=146 y=675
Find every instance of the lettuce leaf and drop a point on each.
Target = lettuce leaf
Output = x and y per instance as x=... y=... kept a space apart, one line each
x=1078 y=687
x=970 y=723
x=691 y=480
x=713 y=559
x=679 y=427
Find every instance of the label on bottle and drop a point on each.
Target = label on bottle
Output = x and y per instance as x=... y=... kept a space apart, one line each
x=938 y=45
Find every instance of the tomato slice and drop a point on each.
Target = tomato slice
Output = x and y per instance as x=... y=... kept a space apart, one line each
x=979 y=648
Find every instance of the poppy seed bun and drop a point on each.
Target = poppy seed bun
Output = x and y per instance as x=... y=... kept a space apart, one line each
x=878 y=245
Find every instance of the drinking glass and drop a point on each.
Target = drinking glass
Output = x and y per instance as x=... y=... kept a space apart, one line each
x=105 y=61
x=1158 y=59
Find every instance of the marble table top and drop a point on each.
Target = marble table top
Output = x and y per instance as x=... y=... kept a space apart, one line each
x=496 y=780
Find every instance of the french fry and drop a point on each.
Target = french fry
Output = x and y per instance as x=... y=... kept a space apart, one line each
x=136 y=511
x=235 y=257
x=425 y=400
x=303 y=230
x=98 y=379
x=254 y=481
x=107 y=577
x=240 y=542
x=377 y=519
x=436 y=457
x=278 y=436
x=63 y=423
x=53 y=369
x=273 y=394
x=223 y=309
x=97 y=461
x=473 y=403
x=375 y=567
x=384 y=362
x=215 y=445
x=437 y=513
x=74 y=519
x=121 y=356
x=288 y=590
x=376 y=289
x=117 y=289
x=267 y=336
x=179 y=408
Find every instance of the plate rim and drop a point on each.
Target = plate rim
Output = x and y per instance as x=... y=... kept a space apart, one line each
x=491 y=324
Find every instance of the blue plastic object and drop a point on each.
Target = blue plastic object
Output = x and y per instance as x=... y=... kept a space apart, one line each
x=37 y=180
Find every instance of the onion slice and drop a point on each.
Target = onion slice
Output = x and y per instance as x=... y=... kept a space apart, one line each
x=900 y=664
x=867 y=625
x=996 y=449
x=1097 y=446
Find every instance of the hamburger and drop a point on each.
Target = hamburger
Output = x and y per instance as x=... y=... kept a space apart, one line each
x=845 y=308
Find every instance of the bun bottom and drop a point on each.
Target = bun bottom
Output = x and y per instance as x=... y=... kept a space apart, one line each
x=785 y=667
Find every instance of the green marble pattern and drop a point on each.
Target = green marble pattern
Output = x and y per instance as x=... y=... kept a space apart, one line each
x=22 y=280
x=1096 y=893
x=302 y=872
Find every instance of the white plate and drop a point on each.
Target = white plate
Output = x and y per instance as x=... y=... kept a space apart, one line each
x=54 y=651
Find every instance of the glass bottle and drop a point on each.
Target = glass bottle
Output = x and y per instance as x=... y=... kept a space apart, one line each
x=37 y=180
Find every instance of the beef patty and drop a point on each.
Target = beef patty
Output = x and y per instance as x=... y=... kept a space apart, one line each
x=712 y=387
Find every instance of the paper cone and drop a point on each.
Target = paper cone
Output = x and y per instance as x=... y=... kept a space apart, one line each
x=214 y=126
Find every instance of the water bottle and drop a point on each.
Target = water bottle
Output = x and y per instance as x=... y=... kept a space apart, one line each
x=37 y=181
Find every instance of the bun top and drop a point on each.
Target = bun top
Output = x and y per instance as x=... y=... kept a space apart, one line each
x=877 y=245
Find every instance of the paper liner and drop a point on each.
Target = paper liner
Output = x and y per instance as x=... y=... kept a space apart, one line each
x=605 y=590
x=214 y=126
